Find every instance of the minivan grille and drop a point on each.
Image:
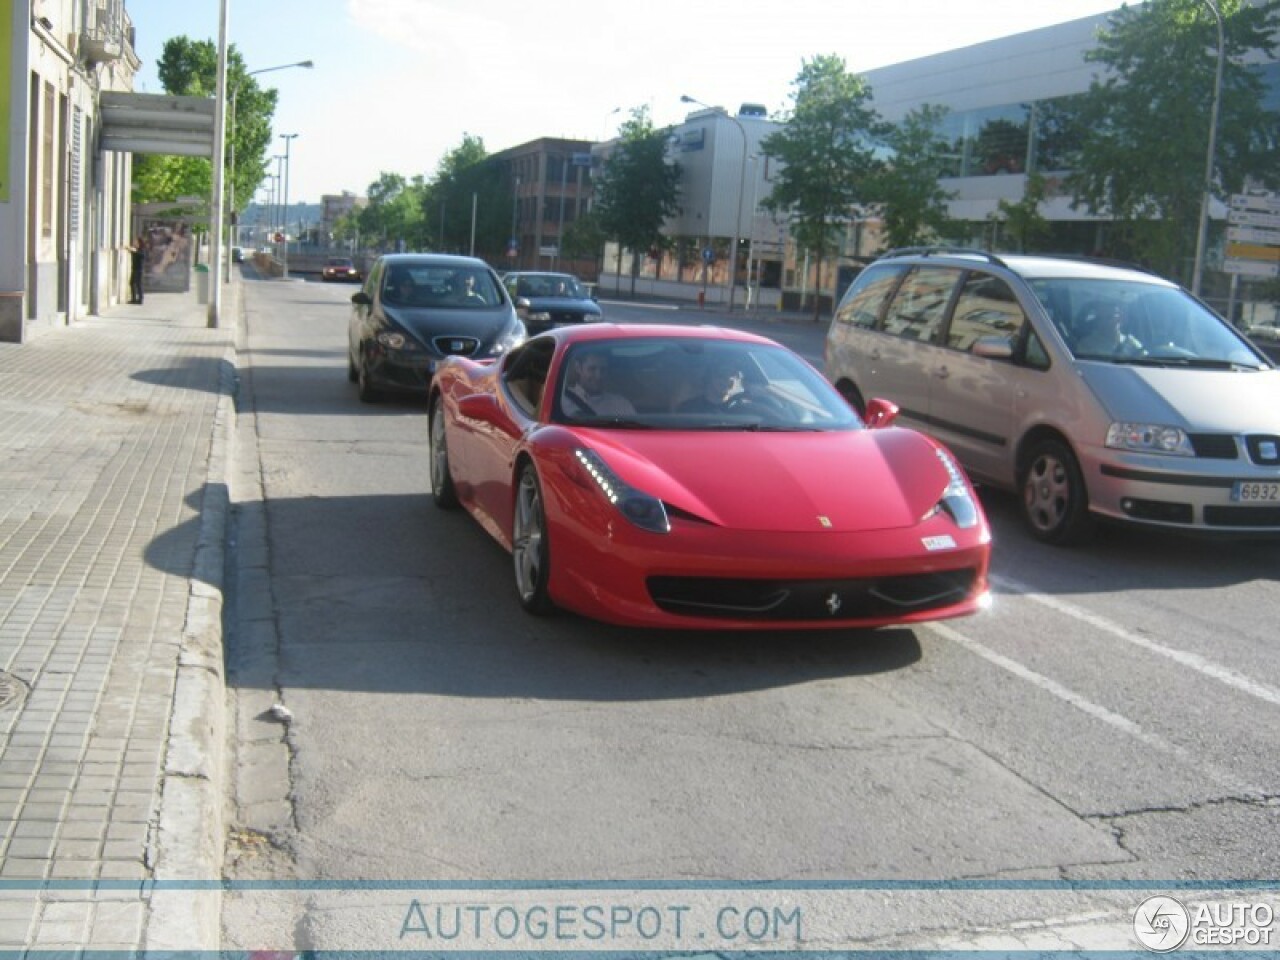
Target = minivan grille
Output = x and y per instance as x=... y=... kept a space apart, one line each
x=1214 y=446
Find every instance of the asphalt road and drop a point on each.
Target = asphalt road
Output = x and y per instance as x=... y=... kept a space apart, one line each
x=1113 y=717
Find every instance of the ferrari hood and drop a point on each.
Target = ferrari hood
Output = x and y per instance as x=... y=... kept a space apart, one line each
x=795 y=482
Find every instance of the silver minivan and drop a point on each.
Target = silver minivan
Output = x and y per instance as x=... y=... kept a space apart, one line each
x=1090 y=389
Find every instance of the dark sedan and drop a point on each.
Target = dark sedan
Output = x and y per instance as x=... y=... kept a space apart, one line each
x=416 y=309
x=546 y=300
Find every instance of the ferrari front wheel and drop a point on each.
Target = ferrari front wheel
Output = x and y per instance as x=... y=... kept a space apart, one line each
x=530 y=550
x=442 y=488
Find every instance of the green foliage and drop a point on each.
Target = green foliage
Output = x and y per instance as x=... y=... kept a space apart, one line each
x=1023 y=222
x=638 y=188
x=912 y=204
x=190 y=68
x=465 y=184
x=828 y=154
x=1144 y=124
x=393 y=216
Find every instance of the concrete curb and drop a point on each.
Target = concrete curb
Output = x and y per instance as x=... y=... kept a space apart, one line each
x=191 y=836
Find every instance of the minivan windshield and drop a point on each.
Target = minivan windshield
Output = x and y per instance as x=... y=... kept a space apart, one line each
x=1123 y=321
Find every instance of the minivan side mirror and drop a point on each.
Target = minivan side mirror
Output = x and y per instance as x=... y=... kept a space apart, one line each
x=993 y=347
x=880 y=412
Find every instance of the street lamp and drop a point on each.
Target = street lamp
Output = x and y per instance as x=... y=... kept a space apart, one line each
x=231 y=137
x=742 y=189
x=288 y=139
x=1203 y=227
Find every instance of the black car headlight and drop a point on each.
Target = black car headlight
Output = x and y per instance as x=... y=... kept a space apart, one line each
x=645 y=511
x=511 y=336
x=538 y=318
x=956 y=501
x=398 y=341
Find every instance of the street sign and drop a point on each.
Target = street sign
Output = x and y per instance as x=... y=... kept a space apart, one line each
x=1253 y=235
x=1253 y=251
x=1253 y=218
x=1251 y=268
x=708 y=255
x=1261 y=202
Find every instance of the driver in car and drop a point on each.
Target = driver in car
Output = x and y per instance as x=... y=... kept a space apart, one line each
x=585 y=394
x=720 y=384
x=1107 y=336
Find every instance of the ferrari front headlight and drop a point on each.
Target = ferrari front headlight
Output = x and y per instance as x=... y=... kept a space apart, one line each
x=956 y=501
x=645 y=511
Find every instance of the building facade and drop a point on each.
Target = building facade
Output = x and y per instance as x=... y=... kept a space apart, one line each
x=64 y=201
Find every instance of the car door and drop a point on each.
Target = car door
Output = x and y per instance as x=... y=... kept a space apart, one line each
x=903 y=358
x=973 y=397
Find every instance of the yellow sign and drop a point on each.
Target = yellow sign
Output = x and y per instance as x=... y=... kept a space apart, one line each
x=1253 y=251
x=8 y=57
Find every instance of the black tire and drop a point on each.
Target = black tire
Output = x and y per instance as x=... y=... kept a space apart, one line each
x=367 y=392
x=443 y=491
x=1055 y=500
x=530 y=548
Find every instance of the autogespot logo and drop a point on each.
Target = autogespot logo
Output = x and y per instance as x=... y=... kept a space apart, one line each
x=1161 y=924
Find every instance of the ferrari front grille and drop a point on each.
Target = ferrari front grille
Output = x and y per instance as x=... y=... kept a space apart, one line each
x=868 y=598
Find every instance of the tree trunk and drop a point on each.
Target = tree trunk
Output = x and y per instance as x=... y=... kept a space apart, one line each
x=817 y=287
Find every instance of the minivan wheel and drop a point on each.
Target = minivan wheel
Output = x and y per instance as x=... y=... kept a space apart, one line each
x=1055 y=502
x=442 y=490
x=530 y=549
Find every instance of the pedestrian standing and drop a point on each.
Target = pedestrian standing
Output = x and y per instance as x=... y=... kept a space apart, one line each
x=137 y=263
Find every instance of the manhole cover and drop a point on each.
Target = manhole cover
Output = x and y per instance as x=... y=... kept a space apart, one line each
x=12 y=690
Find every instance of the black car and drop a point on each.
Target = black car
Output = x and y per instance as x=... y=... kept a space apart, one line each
x=417 y=308
x=546 y=300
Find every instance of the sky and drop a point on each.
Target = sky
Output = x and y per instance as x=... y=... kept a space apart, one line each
x=398 y=83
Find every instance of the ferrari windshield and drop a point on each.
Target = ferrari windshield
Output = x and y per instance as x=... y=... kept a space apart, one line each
x=687 y=383
x=1122 y=321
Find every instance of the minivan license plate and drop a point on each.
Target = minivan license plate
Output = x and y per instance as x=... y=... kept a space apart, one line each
x=1249 y=492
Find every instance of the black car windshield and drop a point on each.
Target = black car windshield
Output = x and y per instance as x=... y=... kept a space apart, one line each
x=441 y=286
x=1127 y=321
x=535 y=285
x=688 y=383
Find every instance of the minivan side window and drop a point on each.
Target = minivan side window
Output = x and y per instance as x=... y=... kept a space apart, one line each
x=861 y=305
x=986 y=307
x=920 y=303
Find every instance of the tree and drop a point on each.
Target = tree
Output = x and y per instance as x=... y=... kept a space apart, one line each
x=827 y=149
x=393 y=214
x=912 y=204
x=189 y=68
x=1144 y=122
x=1023 y=220
x=465 y=182
x=638 y=189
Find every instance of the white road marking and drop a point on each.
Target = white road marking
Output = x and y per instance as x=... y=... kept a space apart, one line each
x=1201 y=665
x=1224 y=777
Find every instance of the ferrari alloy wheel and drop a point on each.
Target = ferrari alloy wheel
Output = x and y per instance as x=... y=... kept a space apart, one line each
x=530 y=553
x=1055 y=503
x=442 y=489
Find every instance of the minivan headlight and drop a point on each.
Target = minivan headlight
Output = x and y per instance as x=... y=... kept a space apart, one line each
x=1150 y=438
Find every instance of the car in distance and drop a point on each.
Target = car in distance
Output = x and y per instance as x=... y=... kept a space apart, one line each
x=546 y=300
x=694 y=477
x=414 y=310
x=339 y=268
x=1091 y=389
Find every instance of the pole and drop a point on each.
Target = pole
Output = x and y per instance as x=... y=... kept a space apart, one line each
x=231 y=182
x=288 y=140
x=1203 y=227
x=751 y=243
x=474 y=201
x=219 y=172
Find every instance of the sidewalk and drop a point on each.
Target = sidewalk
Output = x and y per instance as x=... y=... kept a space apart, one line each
x=114 y=443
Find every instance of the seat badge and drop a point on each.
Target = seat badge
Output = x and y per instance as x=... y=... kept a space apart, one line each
x=943 y=542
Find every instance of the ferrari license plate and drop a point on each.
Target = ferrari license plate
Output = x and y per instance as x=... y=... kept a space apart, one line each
x=1253 y=492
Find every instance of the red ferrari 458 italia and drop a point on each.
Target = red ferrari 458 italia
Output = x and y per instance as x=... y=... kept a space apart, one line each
x=695 y=477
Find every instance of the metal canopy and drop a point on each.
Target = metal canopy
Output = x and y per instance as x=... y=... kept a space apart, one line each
x=157 y=123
